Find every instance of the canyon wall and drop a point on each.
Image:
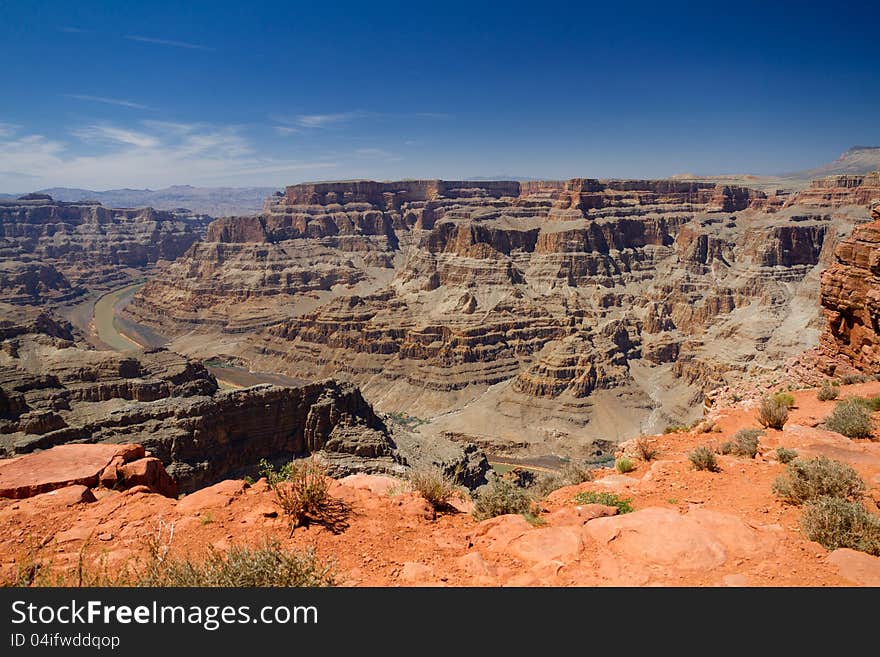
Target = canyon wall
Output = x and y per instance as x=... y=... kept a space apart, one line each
x=539 y=311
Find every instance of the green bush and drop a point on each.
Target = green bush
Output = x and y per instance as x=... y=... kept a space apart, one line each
x=623 y=504
x=827 y=392
x=301 y=490
x=675 y=428
x=850 y=418
x=772 y=413
x=784 y=399
x=837 y=523
x=806 y=480
x=435 y=486
x=785 y=455
x=624 y=465
x=871 y=403
x=744 y=443
x=500 y=497
x=703 y=458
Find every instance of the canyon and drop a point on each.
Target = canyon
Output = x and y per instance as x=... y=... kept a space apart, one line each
x=535 y=319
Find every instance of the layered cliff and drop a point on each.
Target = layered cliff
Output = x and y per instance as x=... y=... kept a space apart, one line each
x=50 y=250
x=538 y=312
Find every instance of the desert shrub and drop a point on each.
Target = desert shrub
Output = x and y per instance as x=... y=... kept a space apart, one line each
x=785 y=455
x=500 y=497
x=850 y=418
x=871 y=403
x=772 y=413
x=624 y=465
x=784 y=399
x=849 y=379
x=302 y=491
x=435 y=486
x=273 y=475
x=837 y=523
x=572 y=473
x=827 y=392
x=646 y=449
x=743 y=443
x=267 y=565
x=703 y=458
x=809 y=479
x=623 y=504
x=675 y=428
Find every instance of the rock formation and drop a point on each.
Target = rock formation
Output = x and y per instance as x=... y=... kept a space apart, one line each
x=851 y=302
x=544 y=313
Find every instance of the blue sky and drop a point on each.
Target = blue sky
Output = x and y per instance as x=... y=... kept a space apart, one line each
x=123 y=94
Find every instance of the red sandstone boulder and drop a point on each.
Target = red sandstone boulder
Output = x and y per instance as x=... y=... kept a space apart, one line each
x=61 y=466
x=148 y=472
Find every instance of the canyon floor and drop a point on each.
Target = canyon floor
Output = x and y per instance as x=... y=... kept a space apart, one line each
x=689 y=528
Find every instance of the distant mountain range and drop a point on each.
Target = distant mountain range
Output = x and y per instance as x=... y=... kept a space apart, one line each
x=213 y=201
x=227 y=201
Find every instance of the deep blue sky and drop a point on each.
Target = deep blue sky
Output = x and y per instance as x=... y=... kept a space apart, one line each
x=109 y=94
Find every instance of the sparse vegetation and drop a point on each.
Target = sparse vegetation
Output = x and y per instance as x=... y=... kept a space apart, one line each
x=827 y=392
x=703 y=458
x=806 y=480
x=301 y=490
x=499 y=497
x=743 y=443
x=408 y=421
x=624 y=465
x=838 y=523
x=675 y=428
x=772 y=413
x=646 y=449
x=572 y=473
x=623 y=504
x=435 y=486
x=784 y=399
x=850 y=379
x=850 y=418
x=871 y=403
x=785 y=455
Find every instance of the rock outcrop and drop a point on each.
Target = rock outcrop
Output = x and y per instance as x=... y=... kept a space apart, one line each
x=851 y=302
x=500 y=304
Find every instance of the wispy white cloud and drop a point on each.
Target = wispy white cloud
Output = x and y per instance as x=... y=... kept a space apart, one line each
x=290 y=125
x=7 y=129
x=150 y=153
x=373 y=153
x=323 y=120
x=114 y=135
x=108 y=101
x=286 y=130
x=168 y=42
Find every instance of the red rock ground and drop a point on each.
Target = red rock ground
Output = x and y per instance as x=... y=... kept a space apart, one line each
x=690 y=528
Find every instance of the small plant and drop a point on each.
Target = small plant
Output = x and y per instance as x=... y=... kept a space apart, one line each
x=744 y=443
x=624 y=465
x=772 y=413
x=785 y=455
x=806 y=480
x=675 y=428
x=206 y=519
x=301 y=490
x=501 y=497
x=784 y=399
x=273 y=475
x=736 y=398
x=672 y=500
x=871 y=403
x=850 y=418
x=249 y=480
x=572 y=473
x=435 y=486
x=703 y=458
x=827 y=392
x=837 y=523
x=623 y=504
x=849 y=379
x=646 y=449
